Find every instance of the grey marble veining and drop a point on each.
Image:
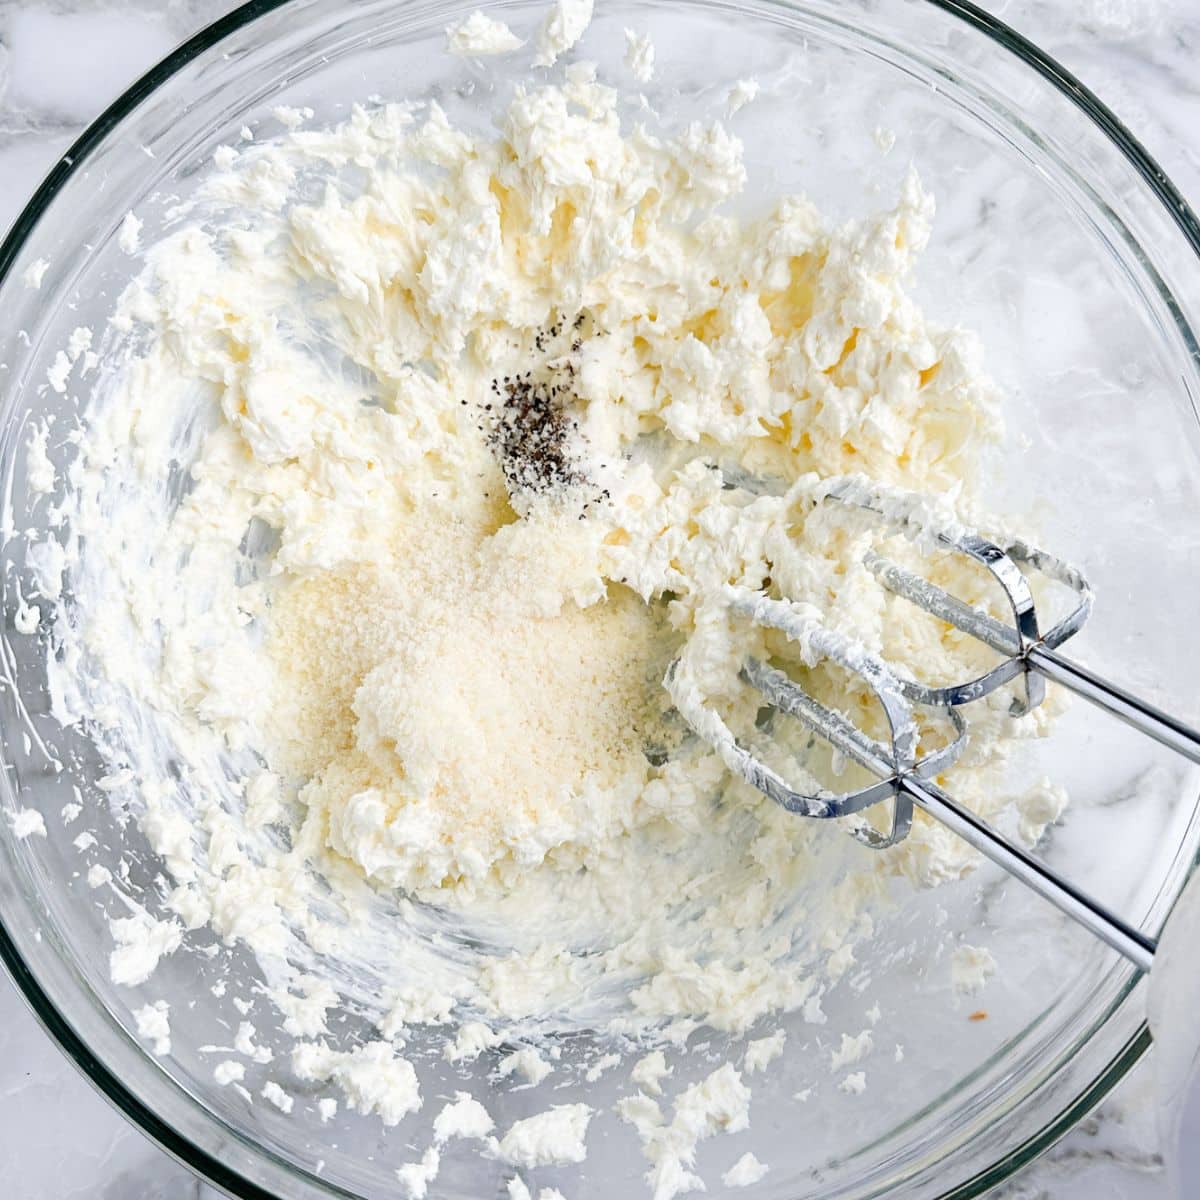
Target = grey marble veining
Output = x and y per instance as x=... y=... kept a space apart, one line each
x=61 y=62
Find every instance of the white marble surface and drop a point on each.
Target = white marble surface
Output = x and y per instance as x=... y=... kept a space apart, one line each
x=61 y=62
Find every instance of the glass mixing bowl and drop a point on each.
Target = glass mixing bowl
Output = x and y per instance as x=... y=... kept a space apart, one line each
x=1058 y=239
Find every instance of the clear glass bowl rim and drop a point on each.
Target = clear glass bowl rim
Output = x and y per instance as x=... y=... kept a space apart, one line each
x=212 y=1169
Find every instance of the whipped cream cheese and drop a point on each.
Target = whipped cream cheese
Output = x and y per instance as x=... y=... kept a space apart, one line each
x=746 y=1172
x=27 y=822
x=553 y=1137
x=422 y=455
x=562 y=29
x=478 y=36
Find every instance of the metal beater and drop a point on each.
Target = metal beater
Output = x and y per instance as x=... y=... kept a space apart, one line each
x=1029 y=656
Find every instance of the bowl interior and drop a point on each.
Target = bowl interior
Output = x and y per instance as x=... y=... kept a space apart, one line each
x=1048 y=243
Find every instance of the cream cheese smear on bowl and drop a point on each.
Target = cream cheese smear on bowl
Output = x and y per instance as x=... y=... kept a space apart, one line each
x=412 y=460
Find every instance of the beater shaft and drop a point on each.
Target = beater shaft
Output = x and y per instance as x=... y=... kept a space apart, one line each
x=1068 y=899
x=1165 y=729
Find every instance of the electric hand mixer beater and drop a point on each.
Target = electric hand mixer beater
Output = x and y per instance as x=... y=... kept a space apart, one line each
x=1029 y=656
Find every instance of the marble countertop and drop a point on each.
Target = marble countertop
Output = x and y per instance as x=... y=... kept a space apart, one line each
x=61 y=62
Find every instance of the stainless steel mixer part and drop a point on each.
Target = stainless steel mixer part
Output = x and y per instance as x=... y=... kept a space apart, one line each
x=897 y=758
x=1029 y=654
x=904 y=777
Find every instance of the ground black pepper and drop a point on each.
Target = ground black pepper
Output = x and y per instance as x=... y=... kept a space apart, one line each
x=530 y=435
x=530 y=421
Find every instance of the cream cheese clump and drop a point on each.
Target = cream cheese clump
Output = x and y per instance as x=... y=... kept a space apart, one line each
x=556 y=1136
x=566 y=24
x=478 y=35
x=719 y=1103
